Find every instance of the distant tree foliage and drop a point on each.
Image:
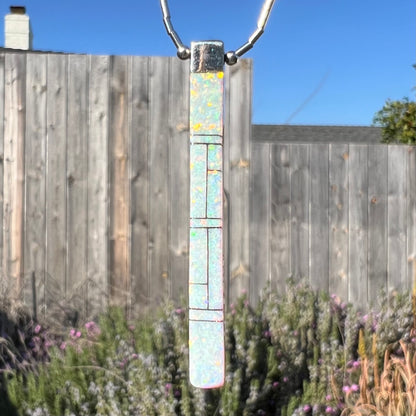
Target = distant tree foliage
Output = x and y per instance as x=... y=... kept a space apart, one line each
x=398 y=121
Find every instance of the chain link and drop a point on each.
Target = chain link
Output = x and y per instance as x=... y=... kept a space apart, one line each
x=231 y=57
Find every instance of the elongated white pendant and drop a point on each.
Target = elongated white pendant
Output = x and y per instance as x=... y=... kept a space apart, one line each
x=206 y=277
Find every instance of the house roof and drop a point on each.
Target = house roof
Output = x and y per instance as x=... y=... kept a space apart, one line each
x=12 y=50
x=288 y=133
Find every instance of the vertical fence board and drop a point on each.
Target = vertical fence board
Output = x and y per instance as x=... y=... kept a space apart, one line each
x=318 y=223
x=397 y=238
x=56 y=181
x=411 y=215
x=35 y=172
x=14 y=148
x=2 y=116
x=338 y=219
x=179 y=178
x=139 y=183
x=226 y=183
x=97 y=249
x=280 y=215
x=158 y=172
x=377 y=220
x=77 y=137
x=358 y=223
x=239 y=131
x=119 y=268
x=259 y=219
x=299 y=215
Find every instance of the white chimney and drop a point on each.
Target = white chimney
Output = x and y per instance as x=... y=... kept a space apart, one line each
x=17 y=30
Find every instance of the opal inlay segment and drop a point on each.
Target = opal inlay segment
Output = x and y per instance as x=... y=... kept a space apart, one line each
x=203 y=344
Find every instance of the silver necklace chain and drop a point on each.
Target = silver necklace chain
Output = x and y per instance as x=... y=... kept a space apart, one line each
x=231 y=57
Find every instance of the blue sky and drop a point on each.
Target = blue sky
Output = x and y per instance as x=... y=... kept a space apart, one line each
x=319 y=62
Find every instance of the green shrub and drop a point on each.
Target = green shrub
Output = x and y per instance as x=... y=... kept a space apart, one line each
x=300 y=354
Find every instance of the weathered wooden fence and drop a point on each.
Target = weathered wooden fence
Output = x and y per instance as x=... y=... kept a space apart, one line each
x=94 y=179
x=343 y=216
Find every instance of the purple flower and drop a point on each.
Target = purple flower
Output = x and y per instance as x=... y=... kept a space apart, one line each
x=92 y=328
x=267 y=334
x=72 y=332
x=275 y=384
x=354 y=387
x=329 y=409
x=346 y=389
x=63 y=346
x=285 y=379
x=178 y=311
x=37 y=329
x=356 y=364
x=328 y=397
x=177 y=393
x=168 y=388
x=89 y=325
x=306 y=408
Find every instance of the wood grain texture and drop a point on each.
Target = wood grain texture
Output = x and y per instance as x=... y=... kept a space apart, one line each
x=411 y=216
x=178 y=179
x=358 y=224
x=338 y=220
x=397 y=218
x=318 y=224
x=158 y=176
x=103 y=180
x=77 y=146
x=377 y=221
x=14 y=155
x=139 y=183
x=238 y=140
x=299 y=214
x=56 y=182
x=119 y=259
x=97 y=191
x=35 y=177
x=259 y=220
x=2 y=117
x=280 y=215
